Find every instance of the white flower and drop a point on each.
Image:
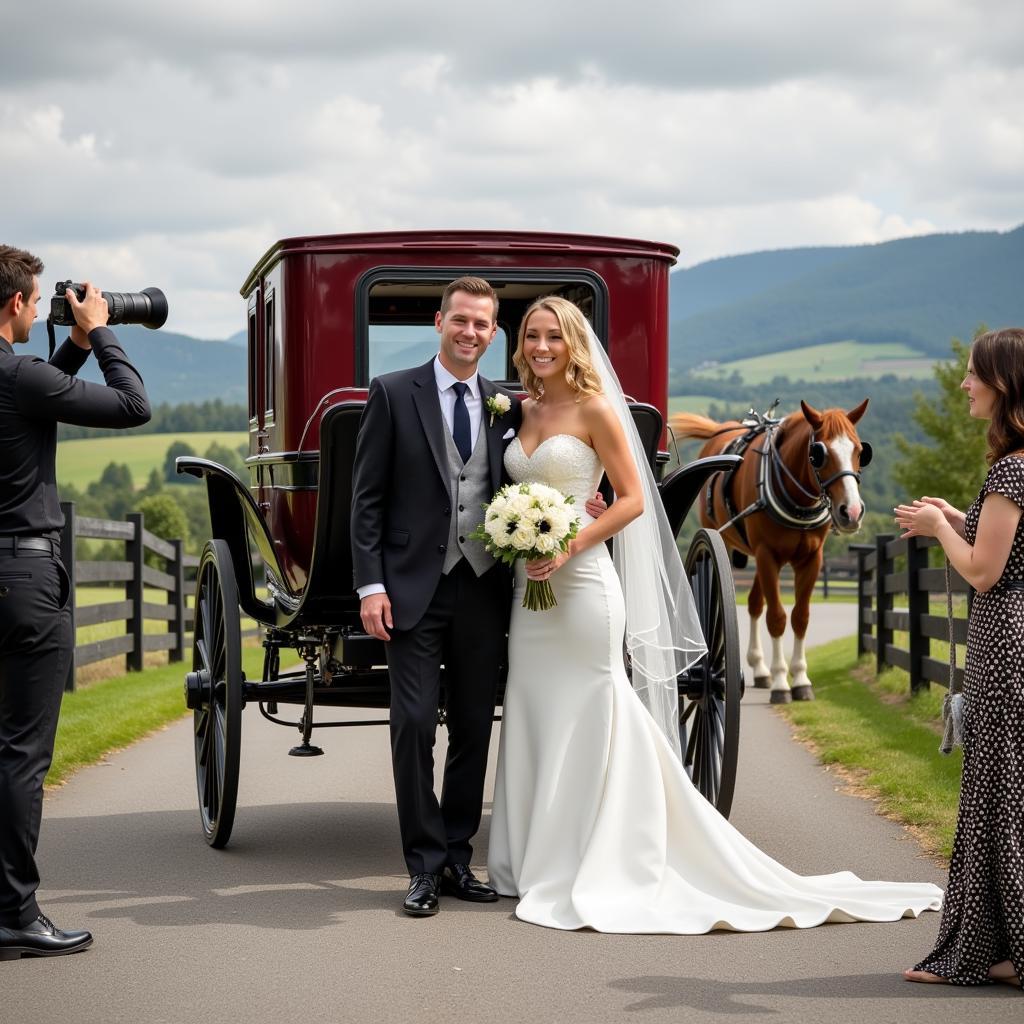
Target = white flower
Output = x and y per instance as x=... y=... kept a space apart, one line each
x=546 y=544
x=523 y=539
x=498 y=405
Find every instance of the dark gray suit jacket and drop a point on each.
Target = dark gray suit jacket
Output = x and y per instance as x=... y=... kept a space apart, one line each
x=401 y=506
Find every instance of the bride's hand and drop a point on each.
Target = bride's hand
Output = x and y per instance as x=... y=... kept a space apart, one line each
x=545 y=568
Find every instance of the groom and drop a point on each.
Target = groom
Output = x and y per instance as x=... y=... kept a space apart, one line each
x=428 y=456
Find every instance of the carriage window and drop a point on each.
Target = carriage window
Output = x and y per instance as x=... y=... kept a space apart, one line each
x=253 y=357
x=398 y=314
x=401 y=346
x=268 y=361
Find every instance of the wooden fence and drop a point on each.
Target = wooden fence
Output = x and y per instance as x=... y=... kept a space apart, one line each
x=837 y=576
x=134 y=575
x=890 y=568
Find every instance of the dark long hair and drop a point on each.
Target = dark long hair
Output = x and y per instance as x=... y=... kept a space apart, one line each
x=998 y=361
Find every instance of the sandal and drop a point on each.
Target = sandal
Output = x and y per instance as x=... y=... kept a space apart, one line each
x=925 y=977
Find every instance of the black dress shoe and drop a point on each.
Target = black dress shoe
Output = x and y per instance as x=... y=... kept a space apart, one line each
x=460 y=882
x=40 y=938
x=422 y=898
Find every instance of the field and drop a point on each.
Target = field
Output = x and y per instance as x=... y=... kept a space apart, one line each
x=81 y=462
x=836 y=361
x=690 y=403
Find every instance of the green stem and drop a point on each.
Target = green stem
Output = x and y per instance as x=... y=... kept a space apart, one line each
x=539 y=596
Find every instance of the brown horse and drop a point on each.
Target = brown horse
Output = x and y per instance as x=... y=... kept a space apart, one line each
x=799 y=478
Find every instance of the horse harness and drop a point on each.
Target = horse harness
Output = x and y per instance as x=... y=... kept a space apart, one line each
x=772 y=496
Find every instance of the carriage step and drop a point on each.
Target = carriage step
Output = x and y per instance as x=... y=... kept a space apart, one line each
x=305 y=750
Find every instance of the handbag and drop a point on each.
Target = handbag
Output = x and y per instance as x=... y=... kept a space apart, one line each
x=953 y=702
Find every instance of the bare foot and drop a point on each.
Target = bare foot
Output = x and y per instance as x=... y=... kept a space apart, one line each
x=926 y=977
x=1004 y=972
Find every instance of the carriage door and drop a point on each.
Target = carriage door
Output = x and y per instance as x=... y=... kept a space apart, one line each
x=265 y=393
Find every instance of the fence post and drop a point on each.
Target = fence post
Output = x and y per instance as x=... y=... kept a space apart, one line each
x=134 y=591
x=67 y=556
x=863 y=600
x=883 y=601
x=917 y=606
x=177 y=624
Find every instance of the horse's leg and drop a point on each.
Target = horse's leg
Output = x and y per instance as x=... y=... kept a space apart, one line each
x=768 y=576
x=805 y=575
x=755 y=655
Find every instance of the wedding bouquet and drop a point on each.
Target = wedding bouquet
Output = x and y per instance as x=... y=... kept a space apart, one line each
x=529 y=521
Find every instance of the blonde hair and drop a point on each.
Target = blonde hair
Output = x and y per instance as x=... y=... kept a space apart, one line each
x=580 y=374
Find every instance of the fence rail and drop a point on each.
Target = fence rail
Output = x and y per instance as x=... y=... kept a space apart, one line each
x=134 y=575
x=894 y=567
x=837 y=576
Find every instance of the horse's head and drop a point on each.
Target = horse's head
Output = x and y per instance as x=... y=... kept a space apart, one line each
x=837 y=456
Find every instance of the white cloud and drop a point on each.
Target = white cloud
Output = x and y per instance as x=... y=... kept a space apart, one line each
x=173 y=146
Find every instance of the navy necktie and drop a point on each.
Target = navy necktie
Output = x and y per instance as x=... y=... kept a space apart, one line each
x=460 y=422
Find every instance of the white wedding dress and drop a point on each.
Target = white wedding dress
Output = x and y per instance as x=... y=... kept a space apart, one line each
x=595 y=822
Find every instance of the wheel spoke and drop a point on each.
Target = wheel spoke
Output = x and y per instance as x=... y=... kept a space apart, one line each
x=692 y=742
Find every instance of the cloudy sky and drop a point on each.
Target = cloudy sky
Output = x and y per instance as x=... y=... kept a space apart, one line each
x=173 y=144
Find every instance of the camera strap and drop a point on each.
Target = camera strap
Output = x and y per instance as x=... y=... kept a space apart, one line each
x=50 y=333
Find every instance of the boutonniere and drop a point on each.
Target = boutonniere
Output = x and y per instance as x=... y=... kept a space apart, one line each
x=498 y=405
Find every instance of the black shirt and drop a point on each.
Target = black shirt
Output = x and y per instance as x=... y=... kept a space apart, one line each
x=35 y=396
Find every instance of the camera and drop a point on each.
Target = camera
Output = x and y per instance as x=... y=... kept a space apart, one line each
x=148 y=307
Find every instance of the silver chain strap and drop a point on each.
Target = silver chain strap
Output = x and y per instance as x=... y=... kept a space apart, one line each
x=953 y=688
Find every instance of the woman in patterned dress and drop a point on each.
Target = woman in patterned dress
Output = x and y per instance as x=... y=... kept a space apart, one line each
x=981 y=936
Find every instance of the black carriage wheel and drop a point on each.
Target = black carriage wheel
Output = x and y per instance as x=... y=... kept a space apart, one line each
x=217 y=679
x=710 y=691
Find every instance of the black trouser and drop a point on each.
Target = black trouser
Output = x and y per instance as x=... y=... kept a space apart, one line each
x=465 y=629
x=35 y=651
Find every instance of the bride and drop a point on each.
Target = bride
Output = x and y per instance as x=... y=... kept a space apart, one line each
x=595 y=821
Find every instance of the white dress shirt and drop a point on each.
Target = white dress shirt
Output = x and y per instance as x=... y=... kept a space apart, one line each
x=446 y=393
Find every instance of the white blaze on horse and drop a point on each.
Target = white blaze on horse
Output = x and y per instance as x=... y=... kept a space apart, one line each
x=799 y=478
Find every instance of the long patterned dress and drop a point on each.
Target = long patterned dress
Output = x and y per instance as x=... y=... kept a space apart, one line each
x=983 y=912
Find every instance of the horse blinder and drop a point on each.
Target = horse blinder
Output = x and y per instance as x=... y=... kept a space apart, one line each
x=817 y=453
x=866 y=453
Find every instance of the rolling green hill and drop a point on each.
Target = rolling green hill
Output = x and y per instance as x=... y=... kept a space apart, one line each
x=81 y=462
x=918 y=292
x=839 y=360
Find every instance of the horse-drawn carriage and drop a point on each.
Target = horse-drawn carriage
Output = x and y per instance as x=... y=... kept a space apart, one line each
x=325 y=315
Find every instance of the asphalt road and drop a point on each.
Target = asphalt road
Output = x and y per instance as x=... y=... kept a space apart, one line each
x=298 y=919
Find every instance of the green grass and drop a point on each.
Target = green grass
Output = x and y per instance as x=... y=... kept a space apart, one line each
x=838 y=360
x=116 y=712
x=83 y=461
x=690 y=403
x=886 y=739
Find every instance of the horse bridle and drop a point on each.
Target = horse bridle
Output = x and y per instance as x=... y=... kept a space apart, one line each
x=817 y=456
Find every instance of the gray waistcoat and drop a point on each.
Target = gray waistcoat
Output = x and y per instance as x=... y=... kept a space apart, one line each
x=469 y=495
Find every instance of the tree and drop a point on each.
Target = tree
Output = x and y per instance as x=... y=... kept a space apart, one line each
x=174 y=450
x=112 y=495
x=226 y=457
x=952 y=465
x=164 y=517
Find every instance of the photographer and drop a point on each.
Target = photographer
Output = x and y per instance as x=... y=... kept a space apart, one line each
x=35 y=626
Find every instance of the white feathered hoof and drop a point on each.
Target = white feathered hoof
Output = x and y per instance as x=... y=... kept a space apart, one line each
x=762 y=682
x=781 y=697
x=803 y=693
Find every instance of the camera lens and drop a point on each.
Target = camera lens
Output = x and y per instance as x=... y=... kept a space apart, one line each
x=148 y=307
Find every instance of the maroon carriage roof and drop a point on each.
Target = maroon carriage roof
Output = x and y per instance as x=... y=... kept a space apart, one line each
x=498 y=242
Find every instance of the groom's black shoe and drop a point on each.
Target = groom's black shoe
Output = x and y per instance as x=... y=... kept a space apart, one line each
x=422 y=898
x=460 y=882
x=40 y=938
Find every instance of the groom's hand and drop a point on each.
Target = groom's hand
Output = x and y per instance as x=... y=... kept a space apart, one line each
x=596 y=505
x=375 y=612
